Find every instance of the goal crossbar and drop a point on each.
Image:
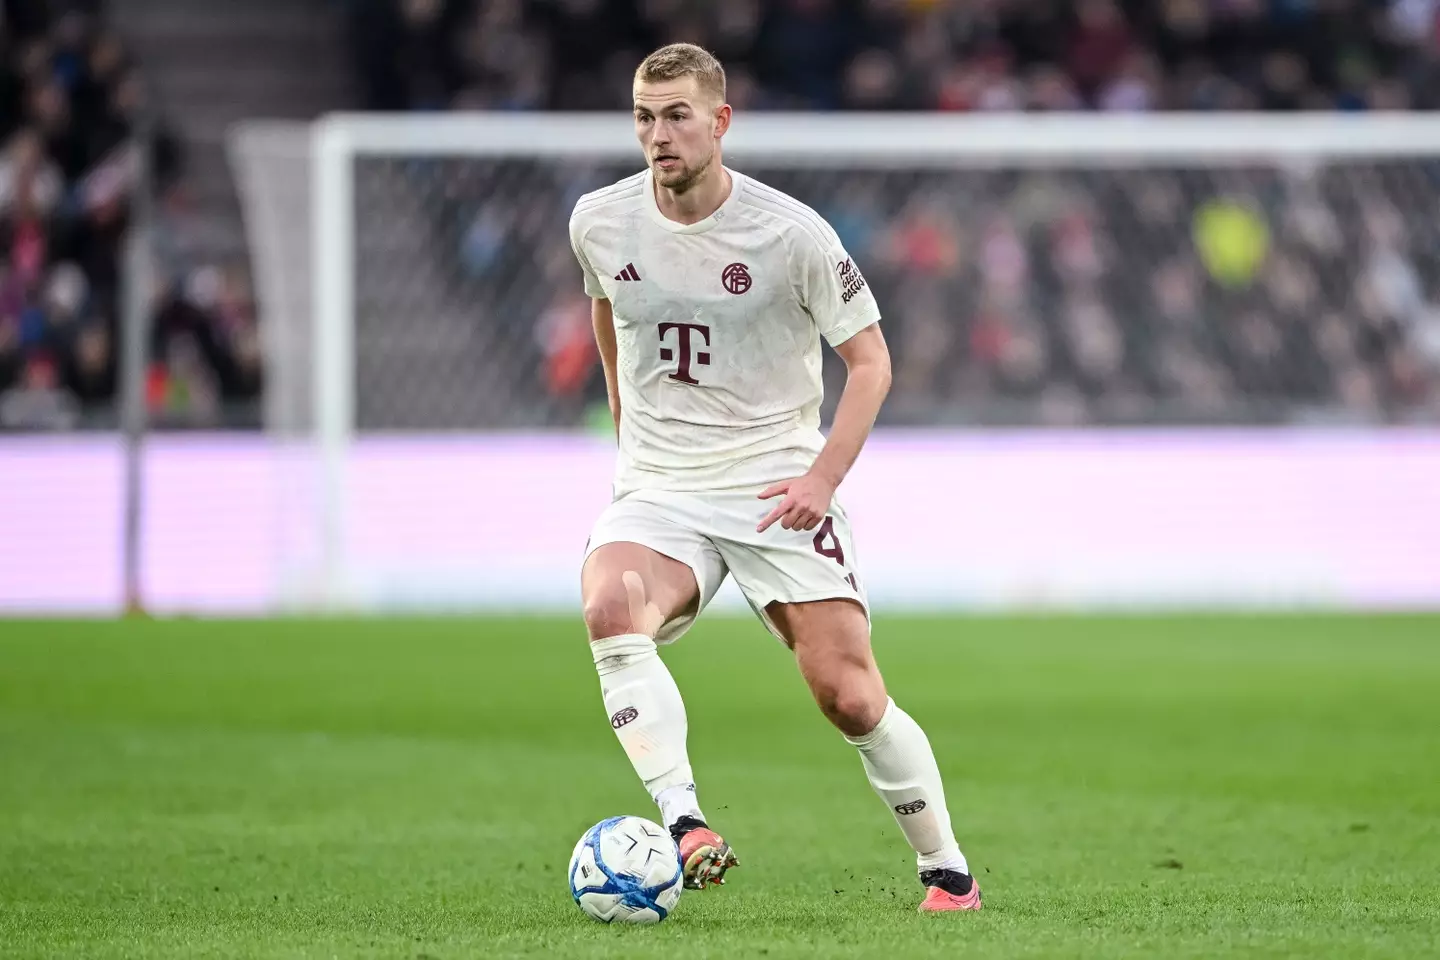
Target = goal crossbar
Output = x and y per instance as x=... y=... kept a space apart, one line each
x=911 y=140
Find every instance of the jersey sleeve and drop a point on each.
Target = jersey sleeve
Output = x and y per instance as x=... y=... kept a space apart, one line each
x=593 y=289
x=832 y=288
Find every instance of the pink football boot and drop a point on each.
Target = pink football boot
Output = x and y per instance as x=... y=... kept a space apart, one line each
x=704 y=855
x=947 y=890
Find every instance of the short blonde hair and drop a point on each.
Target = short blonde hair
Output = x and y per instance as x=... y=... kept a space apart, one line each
x=678 y=60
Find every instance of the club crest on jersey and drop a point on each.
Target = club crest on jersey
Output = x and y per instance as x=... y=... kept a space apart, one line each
x=736 y=278
x=851 y=282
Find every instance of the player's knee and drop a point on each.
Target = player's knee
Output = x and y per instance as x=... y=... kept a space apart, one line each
x=607 y=614
x=852 y=708
x=857 y=712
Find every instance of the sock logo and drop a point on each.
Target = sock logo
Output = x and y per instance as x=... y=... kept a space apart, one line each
x=628 y=714
x=905 y=809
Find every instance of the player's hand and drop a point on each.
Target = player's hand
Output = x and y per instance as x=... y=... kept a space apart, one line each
x=807 y=500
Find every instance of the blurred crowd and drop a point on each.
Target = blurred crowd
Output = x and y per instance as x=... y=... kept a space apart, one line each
x=1128 y=55
x=1065 y=297
x=71 y=103
x=1201 y=295
x=1015 y=296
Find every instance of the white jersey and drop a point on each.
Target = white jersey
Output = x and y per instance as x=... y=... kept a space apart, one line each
x=718 y=326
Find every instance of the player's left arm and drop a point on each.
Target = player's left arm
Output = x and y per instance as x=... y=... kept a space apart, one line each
x=843 y=307
x=867 y=381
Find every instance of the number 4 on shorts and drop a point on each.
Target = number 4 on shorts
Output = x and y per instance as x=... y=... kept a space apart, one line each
x=832 y=549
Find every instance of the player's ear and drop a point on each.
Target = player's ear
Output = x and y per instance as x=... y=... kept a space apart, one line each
x=722 y=119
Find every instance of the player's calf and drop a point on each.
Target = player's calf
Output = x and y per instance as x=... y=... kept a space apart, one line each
x=831 y=641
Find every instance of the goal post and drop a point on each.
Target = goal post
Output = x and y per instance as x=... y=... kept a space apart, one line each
x=401 y=278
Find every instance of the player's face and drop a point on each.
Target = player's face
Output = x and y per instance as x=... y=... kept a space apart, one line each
x=677 y=127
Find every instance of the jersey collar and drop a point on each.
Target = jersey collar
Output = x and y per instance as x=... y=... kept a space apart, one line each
x=699 y=226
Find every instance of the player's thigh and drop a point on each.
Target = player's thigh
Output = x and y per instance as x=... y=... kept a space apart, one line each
x=815 y=628
x=831 y=641
x=658 y=537
x=669 y=584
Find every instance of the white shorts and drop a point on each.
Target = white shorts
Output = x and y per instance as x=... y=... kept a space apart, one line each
x=714 y=534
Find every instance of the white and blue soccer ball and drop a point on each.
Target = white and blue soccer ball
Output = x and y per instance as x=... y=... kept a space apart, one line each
x=626 y=870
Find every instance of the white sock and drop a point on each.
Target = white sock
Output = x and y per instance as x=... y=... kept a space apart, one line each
x=902 y=769
x=677 y=802
x=648 y=717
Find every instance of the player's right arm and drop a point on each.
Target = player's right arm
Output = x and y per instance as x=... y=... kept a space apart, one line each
x=602 y=318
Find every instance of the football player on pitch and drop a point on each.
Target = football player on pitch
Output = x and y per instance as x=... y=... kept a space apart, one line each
x=710 y=293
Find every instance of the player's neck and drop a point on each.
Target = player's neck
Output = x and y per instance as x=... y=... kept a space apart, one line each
x=700 y=201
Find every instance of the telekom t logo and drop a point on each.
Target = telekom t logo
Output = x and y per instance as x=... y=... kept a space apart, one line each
x=682 y=336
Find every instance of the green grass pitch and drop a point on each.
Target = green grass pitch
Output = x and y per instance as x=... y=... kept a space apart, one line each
x=1136 y=787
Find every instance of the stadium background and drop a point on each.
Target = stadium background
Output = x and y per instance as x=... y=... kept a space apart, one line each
x=1175 y=385
x=1091 y=325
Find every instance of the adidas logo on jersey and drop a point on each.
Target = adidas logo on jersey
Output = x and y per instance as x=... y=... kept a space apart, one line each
x=628 y=273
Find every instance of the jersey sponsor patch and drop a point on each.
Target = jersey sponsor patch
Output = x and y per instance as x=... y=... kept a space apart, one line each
x=688 y=351
x=851 y=282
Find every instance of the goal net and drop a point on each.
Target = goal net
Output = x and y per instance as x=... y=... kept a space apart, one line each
x=429 y=354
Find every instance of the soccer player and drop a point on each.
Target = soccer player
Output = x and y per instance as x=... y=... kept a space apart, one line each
x=710 y=293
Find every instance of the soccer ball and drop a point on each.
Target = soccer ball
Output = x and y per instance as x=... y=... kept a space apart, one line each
x=626 y=870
